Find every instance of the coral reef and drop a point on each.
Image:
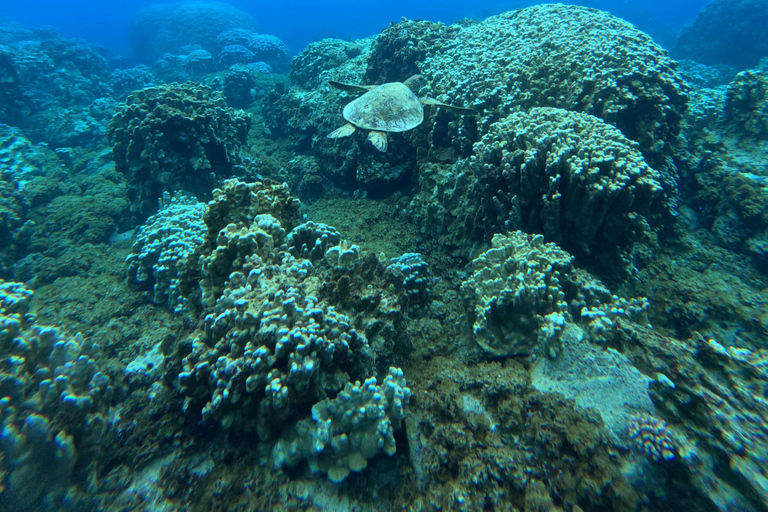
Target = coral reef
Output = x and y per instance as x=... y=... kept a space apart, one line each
x=259 y=360
x=13 y=216
x=746 y=103
x=515 y=294
x=731 y=32
x=349 y=430
x=240 y=46
x=540 y=56
x=176 y=138
x=570 y=176
x=235 y=54
x=47 y=83
x=523 y=291
x=163 y=244
x=167 y=28
x=53 y=410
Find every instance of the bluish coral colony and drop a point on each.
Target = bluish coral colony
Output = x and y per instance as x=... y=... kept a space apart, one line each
x=545 y=291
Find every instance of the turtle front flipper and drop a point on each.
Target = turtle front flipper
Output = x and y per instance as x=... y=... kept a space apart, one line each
x=351 y=87
x=378 y=139
x=345 y=131
x=456 y=110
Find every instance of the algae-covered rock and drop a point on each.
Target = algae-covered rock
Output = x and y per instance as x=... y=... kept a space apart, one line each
x=480 y=434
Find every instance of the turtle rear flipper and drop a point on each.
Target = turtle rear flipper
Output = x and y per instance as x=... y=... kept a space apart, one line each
x=345 y=131
x=456 y=110
x=353 y=88
x=378 y=139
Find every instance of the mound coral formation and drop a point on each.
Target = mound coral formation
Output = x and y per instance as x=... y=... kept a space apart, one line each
x=163 y=245
x=570 y=176
x=176 y=138
x=542 y=56
x=410 y=273
x=233 y=232
x=253 y=47
x=310 y=68
x=567 y=175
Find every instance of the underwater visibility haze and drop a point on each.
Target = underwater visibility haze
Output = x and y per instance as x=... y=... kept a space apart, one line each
x=354 y=256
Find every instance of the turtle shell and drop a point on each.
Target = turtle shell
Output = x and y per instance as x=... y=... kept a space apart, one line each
x=387 y=108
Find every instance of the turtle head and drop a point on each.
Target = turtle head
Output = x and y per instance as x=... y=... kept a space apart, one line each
x=415 y=83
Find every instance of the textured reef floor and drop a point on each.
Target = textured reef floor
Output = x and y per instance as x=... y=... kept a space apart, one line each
x=558 y=304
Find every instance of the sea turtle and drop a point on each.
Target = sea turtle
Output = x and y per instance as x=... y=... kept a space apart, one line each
x=392 y=107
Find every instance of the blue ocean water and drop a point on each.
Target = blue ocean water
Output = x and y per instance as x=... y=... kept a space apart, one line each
x=377 y=256
x=299 y=23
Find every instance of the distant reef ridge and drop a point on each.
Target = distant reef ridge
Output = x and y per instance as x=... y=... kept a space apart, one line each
x=168 y=28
